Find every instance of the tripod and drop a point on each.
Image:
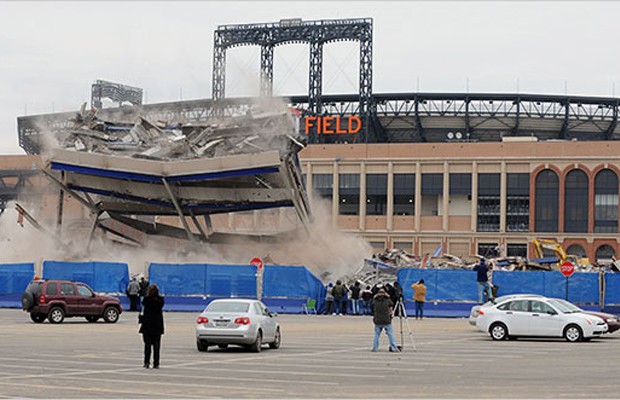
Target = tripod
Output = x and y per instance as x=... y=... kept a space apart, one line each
x=400 y=311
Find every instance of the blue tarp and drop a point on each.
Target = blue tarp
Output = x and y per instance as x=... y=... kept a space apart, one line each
x=104 y=277
x=612 y=289
x=14 y=278
x=460 y=285
x=285 y=287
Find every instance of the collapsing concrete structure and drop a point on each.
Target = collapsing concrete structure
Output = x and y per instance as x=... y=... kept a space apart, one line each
x=121 y=171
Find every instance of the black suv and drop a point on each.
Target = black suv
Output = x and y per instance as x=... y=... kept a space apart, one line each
x=55 y=300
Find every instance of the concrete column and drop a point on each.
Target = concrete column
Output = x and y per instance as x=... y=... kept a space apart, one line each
x=418 y=196
x=474 y=196
x=502 y=198
x=309 y=185
x=335 y=195
x=446 y=196
x=362 y=208
x=390 y=197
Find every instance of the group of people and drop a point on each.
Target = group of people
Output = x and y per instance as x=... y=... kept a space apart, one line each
x=339 y=296
x=145 y=298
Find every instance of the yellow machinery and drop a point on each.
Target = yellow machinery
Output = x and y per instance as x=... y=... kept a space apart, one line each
x=540 y=245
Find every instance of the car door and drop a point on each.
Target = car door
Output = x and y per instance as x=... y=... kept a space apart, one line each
x=517 y=317
x=544 y=320
x=69 y=294
x=269 y=324
x=89 y=304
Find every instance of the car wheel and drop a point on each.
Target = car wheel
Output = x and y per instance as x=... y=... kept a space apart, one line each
x=276 y=341
x=222 y=346
x=56 y=315
x=573 y=333
x=38 y=318
x=202 y=345
x=257 y=346
x=92 y=318
x=110 y=315
x=27 y=301
x=498 y=331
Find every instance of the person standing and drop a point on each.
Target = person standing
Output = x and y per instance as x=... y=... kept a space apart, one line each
x=338 y=292
x=482 y=270
x=152 y=325
x=367 y=298
x=329 y=299
x=419 y=296
x=355 y=298
x=383 y=309
x=144 y=287
x=133 y=293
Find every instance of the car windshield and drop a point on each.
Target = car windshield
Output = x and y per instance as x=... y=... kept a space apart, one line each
x=569 y=306
x=564 y=306
x=228 y=306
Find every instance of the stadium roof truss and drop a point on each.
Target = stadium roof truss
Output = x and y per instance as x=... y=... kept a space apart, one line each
x=398 y=117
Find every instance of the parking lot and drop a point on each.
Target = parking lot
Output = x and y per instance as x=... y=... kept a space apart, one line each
x=321 y=356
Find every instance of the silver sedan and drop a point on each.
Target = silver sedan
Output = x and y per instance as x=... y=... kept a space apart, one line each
x=242 y=322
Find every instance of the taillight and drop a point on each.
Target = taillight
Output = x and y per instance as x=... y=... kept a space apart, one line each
x=42 y=299
x=202 y=320
x=242 y=321
x=480 y=312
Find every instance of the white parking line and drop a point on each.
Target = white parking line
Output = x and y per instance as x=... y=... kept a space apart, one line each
x=143 y=392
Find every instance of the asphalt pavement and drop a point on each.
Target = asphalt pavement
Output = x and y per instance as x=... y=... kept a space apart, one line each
x=320 y=357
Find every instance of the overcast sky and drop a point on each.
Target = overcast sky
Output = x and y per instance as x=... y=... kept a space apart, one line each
x=51 y=52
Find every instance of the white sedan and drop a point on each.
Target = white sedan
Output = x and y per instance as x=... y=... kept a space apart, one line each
x=243 y=322
x=538 y=317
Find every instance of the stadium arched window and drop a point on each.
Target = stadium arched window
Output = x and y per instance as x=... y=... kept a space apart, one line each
x=547 y=200
x=576 y=202
x=576 y=250
x=605 y=253
x=606 y=201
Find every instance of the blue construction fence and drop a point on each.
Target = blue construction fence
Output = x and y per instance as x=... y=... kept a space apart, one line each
x=190 y=287
x=460 y=285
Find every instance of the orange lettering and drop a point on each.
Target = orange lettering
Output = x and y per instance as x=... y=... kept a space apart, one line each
x=327 y=122
x=338 y=130
x=359 y=124
x=308 y=124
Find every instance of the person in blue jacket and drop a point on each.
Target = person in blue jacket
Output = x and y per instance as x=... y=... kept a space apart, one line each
x=482 y=269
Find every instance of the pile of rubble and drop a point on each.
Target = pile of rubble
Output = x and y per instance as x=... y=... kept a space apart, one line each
x=161 y=140
x=384 y=265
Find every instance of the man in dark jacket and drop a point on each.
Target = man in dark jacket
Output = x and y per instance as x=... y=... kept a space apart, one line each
x=144 y=287
x=338 y=291
x=355 y=298
x=382 y=317
x=152 y=325
x=482 y=270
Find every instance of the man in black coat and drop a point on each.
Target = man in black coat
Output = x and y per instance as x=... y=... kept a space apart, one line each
x=152 y=325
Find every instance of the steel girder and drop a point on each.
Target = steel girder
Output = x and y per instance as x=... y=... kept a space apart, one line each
x=316 y=34
x=399 y=117
x=114 y=91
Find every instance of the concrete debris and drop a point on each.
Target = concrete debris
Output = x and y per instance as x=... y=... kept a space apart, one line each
x=384 y=265
x=161 y=140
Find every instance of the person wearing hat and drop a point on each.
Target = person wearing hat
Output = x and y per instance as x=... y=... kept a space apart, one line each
x=383 y=308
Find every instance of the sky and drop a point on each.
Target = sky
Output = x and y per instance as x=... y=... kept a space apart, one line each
x=51 y=52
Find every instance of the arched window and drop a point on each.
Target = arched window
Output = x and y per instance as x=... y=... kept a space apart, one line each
x=576 y=250
x=604 y=253
x=547 y=187
x=606 y=201
x=576 y=202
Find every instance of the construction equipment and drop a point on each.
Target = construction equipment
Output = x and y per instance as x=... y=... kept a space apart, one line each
x=550 y=245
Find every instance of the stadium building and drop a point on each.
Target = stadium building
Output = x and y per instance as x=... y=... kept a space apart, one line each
x=472 y=173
